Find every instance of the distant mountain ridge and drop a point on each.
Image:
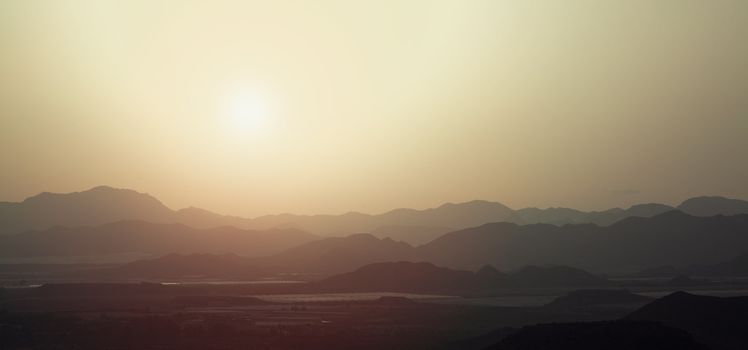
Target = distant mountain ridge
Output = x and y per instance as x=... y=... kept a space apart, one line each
x=672 y=238
x=97 y=206
x=102 y=205
x=710 y=206
x=338 y=254
x=633 y=244
x=630 y=245
x=150 y=238
x=423 y=277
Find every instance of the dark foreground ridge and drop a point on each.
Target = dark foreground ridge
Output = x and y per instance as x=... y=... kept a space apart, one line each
x=677 y=321
x=613 y=335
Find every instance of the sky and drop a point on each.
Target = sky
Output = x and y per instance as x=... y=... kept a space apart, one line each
x=253 y=108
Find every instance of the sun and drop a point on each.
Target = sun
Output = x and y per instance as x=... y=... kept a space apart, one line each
x=249 y=112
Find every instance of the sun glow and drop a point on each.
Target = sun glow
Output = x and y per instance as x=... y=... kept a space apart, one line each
x=249 y=112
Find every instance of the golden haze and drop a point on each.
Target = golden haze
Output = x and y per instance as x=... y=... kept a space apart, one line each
x=370 y=106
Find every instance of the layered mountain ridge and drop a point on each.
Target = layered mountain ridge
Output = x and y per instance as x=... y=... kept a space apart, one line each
x=102 y=205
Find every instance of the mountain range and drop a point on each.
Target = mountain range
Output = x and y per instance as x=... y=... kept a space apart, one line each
x=673 y=238
x=98 y=206
x=103 y=205
x=105 y=221
x=631 y=245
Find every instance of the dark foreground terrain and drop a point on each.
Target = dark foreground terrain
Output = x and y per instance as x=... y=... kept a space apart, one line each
x=166 y=317
x=154 y=316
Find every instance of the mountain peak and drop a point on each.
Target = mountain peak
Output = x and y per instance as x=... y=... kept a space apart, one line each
x=95 y=206
x=94 y=191
x=474 y=204
x=713 y=205
x=105 y=188
x=648 y=209
x=362 y=237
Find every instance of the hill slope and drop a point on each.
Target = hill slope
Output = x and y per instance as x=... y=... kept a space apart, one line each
x=718 y=322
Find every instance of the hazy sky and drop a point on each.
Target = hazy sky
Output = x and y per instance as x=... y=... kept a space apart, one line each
x=330 y=106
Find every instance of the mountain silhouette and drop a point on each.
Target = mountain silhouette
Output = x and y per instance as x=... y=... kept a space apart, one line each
x=423 y=277
x=672 y=238
x=338 y=254
x=447 y=215
x=719 y=323
x=563 y=216
x=677 y=321
x=101 y=205
x=150 y=238
x=633 y=244
x=397 y=223
x=710 y=206
x=402 y=277
x=201 y=218
x=553 y=276
x=97 y=206
x=414 y=235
